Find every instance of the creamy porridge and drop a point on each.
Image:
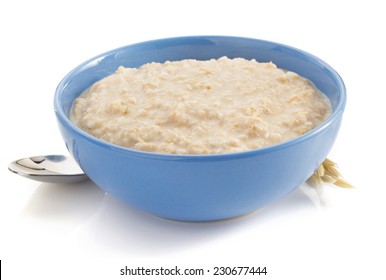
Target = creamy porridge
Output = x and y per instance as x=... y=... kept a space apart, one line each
x=200 y=107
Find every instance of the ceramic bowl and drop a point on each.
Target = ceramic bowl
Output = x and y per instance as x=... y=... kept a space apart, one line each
x=200 y=187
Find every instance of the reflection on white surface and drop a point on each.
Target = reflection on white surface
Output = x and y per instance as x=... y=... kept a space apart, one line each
x=62 y=207
x=96 y=222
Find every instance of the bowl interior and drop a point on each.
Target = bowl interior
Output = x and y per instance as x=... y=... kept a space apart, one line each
x=201 y=48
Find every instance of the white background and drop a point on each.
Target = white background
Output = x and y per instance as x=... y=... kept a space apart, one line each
x=77 y=232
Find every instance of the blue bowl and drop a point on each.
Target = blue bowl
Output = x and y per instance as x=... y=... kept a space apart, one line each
x=200 y=187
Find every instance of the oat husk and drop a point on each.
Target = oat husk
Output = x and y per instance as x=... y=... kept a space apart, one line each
x=328 y=173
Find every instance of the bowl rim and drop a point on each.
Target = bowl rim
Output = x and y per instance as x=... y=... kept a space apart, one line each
x=64 y=119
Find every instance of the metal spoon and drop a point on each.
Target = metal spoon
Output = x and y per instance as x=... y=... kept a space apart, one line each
x=49 y=169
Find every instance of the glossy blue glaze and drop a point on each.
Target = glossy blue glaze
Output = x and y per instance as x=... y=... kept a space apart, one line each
x=200 y=187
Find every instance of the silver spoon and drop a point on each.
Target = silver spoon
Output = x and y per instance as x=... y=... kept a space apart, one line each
x=49 y=169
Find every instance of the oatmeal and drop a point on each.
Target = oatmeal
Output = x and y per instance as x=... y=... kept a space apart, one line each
x=200 y=107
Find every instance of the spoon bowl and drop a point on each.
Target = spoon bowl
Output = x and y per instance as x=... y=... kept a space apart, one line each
x=49 y=169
